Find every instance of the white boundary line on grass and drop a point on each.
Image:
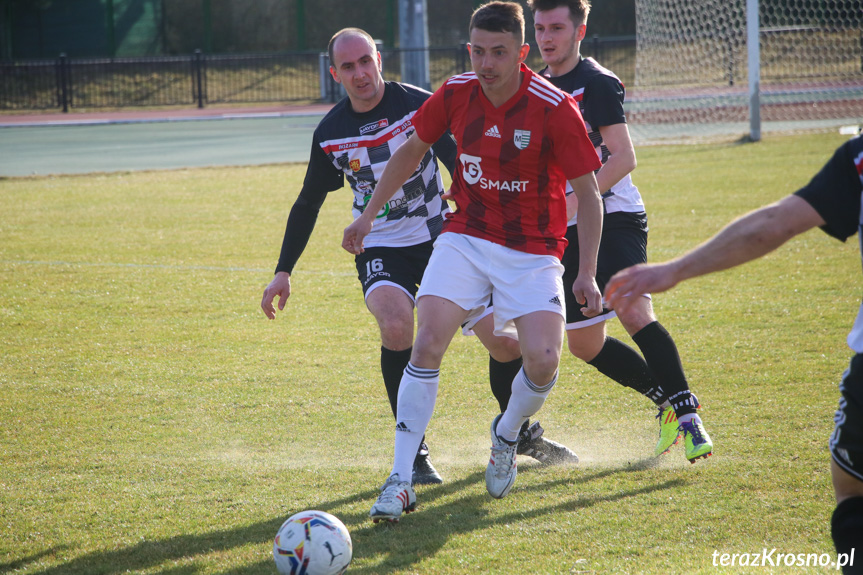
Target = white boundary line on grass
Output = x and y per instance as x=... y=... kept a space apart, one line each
x=160 y=266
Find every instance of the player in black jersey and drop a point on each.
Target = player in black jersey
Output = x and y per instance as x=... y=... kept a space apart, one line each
x=831 y=201
x=355 y=141
x=560 y=26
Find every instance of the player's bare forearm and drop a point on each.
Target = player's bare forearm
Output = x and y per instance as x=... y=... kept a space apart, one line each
x=589 y=222
x=399 y=168
x=749 y=237
x=621 y=160
x=745 y=239
x=571 y=206
x=584 y=288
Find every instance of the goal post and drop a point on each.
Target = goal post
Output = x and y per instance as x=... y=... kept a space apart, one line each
x=732 y=69
x=753 y=51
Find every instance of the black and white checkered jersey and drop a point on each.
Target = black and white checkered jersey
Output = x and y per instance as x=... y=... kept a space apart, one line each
x=836 y=193
x=358 y=147
x=600 y=96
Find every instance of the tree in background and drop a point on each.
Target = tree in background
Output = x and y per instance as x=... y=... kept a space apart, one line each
x=43 y=28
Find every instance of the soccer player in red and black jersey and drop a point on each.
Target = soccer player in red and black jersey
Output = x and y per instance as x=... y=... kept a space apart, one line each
x=355 y=141
x=519 y=141
x=560 y=26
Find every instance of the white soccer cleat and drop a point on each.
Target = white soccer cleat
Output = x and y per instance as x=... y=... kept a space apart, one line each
x=501 y=470
x=396 y=496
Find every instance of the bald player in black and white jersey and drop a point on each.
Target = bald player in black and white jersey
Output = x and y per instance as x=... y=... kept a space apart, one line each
x=355 y=140
x=560 y=26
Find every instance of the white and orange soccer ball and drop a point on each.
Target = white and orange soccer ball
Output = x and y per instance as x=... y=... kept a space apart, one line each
x=312 y=543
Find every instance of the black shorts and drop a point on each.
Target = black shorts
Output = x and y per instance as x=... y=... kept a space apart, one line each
x=400 y=267
x=846 y=442
x=623 y=244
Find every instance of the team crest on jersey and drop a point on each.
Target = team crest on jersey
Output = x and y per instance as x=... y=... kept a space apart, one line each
x=374 y=126
x=355 y=165
x=521 y=139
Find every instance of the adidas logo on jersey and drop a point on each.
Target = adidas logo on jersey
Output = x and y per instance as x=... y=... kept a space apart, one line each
x=493 y=132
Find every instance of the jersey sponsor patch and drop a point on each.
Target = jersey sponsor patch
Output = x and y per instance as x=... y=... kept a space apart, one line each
x=471 y=170
x=472 y=174
x=382 y=123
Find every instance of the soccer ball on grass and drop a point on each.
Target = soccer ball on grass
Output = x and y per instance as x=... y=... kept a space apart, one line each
x=312 y=543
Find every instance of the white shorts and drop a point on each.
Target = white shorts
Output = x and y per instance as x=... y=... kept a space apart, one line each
x=468 y=270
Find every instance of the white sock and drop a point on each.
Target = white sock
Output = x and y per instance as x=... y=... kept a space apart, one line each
x=417 y=395
x=527 y=398
x=688 y=417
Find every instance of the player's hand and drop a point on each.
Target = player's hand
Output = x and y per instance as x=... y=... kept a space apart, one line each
x=637 y=280
x=280 y=286
x=355 y=233
x=447 y=195
x=587 y=293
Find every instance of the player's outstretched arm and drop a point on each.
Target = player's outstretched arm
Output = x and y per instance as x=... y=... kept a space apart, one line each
x=743 y=240
x=589 y=204
x=400 y=167
x=281 y=287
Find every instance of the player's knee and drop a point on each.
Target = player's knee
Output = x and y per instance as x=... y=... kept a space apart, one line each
x=540 y=365
x=845 y=485
x=635 y=317
x=584 y=349
x=429 y=348
x=503 y=349
x=396 y=332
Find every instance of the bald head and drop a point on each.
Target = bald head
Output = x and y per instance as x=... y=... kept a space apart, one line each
x=348 y=33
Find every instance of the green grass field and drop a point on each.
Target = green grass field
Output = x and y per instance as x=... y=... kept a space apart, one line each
x=153 y=421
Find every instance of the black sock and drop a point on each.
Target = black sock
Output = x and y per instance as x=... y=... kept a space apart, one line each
x=500 y=376
x=393 y=364
x=660 y=353
x=847 y=528
x=619 y=362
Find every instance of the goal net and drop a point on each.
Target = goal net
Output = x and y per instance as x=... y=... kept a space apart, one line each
x=692 y=77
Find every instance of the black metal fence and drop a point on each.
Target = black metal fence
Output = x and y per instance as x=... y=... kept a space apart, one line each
x=201 y=80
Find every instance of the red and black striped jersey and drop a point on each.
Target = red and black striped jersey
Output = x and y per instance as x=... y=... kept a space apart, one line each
x=514 y=160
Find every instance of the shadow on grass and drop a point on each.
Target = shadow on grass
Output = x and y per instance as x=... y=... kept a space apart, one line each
x=19 y=563
x=414 y=542
x=151 y=554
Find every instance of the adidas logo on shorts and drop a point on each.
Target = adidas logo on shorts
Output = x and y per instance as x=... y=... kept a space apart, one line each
x=493 y=132
x=555 y=300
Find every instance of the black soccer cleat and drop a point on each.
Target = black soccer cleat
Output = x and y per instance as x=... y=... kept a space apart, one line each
x=424 y=472
x=533 y=444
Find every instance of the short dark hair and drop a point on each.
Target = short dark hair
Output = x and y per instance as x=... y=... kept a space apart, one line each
x=578 y=9
x=499 y=17
x=347 y=32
